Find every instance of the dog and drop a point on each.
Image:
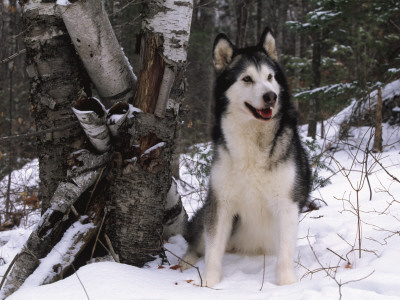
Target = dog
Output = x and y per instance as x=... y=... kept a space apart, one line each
x=260 y=176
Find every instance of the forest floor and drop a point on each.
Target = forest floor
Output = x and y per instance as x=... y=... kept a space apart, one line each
x=332 y=260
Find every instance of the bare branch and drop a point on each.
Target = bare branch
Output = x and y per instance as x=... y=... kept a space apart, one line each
x=6 y=60
x=28 y=135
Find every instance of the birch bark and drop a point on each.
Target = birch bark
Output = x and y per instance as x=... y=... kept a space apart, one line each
x=99 y=50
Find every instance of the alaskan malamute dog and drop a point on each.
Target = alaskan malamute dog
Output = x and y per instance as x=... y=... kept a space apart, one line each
x=260 y=176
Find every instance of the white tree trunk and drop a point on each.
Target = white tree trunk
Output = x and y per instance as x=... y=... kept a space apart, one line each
x=94 y=40
x=173 y=23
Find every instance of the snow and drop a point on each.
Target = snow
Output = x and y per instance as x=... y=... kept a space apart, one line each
x=393 y=70
x=326 y=89
x=159 y=145
x=327 y=241
x=332 y=125
x=63 y=2
x=132 y=110
x=24 y=183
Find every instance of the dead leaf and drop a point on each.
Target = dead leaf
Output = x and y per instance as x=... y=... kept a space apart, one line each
x=176 y=267
x=161 y=267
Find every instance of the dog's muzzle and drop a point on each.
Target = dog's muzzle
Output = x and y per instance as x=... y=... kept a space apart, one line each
x=266 y=113
x=270 y=99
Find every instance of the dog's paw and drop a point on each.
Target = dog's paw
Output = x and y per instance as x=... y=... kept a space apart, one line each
x=212 y=278
x=189 y=260
x=286 y=277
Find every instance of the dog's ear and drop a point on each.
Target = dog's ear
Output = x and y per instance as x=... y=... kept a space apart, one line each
x=223 y=51
x=267 y=42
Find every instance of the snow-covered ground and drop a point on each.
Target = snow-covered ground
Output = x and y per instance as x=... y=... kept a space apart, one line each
x=327 y=256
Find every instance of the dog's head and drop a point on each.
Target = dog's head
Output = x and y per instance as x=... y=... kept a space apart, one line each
x=249 y=80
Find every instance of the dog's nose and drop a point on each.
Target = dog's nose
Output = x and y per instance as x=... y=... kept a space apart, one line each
x=270 y=98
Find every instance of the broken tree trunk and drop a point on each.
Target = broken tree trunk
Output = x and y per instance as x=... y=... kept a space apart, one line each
x=104 y=60
x=138 y=195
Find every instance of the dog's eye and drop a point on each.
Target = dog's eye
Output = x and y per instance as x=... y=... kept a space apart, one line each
x=247 y=79
x=270 y=77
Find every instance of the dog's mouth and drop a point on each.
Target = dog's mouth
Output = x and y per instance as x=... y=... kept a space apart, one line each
x=261 y=114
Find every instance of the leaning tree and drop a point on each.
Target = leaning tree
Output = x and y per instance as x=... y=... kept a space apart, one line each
x=105 y=165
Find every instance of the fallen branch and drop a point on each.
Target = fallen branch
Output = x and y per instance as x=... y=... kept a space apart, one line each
x=63 y=253
x=54 y=221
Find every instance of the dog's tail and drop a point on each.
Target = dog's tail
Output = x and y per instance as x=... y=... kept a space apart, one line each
x=175 y=219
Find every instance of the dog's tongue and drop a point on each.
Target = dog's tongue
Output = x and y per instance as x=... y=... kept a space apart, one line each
x=266 y=113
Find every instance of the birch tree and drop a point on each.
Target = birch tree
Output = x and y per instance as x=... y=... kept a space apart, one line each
x=111 y=182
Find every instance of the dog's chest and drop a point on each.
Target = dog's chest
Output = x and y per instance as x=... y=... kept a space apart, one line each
x=245 y=182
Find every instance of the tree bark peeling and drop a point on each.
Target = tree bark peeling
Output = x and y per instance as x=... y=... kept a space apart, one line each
x=151 y=74
x=92 y=116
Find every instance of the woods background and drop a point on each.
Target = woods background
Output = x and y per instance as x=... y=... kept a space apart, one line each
x=344 y=47
x=333 y=52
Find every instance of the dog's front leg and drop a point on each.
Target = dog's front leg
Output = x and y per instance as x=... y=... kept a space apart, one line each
x=287 y=236
x=218 y=228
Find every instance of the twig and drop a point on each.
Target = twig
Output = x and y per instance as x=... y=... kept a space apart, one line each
x=9 y=269
x=333 y=277
x=363 y=250
x=366 y=169
x=76 y=273
x=198 y=271
x=74 y=211
x=27 y=135
x=6 y=60
x=341 y=257
x=98 y=233
x=384 y=169
x=263 y=277
x=110 y=247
